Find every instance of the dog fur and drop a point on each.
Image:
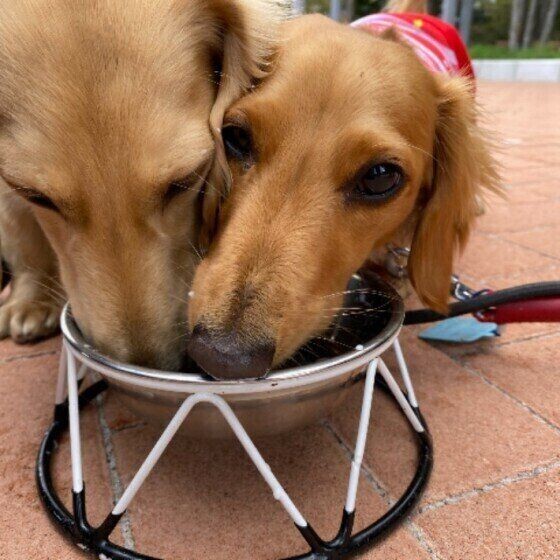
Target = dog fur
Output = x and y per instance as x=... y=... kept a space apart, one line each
x=103 y=105
x=288 y=240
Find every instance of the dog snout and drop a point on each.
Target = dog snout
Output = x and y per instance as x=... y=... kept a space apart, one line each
x=224 y=355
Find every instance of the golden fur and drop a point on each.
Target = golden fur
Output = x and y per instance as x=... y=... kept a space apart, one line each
x=103 y=104
x=287 y=241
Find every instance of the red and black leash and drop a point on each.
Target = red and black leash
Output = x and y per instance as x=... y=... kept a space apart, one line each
x=529 y=303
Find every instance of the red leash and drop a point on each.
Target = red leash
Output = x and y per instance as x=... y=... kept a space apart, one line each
x=539 y=310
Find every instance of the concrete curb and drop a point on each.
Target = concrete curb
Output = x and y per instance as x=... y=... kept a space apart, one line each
x=522 y=70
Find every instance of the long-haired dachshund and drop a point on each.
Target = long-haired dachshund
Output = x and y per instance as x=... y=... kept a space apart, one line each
x=109 y=112
x=355 y=138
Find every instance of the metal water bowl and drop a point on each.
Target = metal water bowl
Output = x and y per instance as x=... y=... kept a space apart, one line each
x=286 y=398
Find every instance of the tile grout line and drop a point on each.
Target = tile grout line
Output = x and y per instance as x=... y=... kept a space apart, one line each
x=539 y=417
x=19 y=357
x=413 y=529
x=366 y=471
x=499 y=236
x=543 y=335
x=540 y=253
x=117 y=487
x=424 y=542
x=477 y=351
x=502 y=483
x=514 y=231
x=489 y=280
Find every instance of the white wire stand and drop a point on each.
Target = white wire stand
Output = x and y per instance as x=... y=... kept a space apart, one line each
x=67 y=412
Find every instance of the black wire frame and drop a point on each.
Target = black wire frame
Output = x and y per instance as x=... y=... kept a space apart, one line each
x=96 y=539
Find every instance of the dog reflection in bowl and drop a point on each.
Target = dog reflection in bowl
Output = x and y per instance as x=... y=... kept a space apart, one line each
x=349 y=143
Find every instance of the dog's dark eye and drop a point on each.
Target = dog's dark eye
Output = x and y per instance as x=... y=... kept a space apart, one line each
x=237 y=142
x=377 y=182
x=180 y=186
x=37 y=198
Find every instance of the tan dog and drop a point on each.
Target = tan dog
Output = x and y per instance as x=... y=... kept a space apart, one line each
x=104 y=145
x=347 y=144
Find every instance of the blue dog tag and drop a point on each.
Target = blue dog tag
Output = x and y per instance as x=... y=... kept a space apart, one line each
x=460 y=330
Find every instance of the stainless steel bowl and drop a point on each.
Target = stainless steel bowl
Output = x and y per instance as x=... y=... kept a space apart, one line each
x=286 y=398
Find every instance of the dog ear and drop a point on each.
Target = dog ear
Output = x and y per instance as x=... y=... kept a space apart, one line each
x=246 y=32
x=463 y=169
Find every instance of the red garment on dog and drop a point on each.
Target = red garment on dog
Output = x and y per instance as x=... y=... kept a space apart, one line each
x=438 y=44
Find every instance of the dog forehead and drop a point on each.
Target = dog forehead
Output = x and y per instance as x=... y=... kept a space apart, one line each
x=337 y=76
x=83 y=95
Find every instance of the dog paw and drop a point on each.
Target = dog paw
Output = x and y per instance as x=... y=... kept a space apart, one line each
x=28 y=321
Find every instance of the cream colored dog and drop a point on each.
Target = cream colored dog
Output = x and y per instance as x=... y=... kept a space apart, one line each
x=109 y=113
x=348 y=144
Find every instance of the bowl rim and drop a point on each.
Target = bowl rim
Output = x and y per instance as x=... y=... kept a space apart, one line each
x=193 y=382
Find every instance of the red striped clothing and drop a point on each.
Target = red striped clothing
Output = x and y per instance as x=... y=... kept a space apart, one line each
x=436 y=43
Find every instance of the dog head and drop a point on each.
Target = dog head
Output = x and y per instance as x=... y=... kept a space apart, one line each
x=108 y=113
x=349 y=141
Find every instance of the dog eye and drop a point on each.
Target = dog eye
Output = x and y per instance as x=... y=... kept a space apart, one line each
x=180 y=186
x=37 y=198
x=237 y=142
x=378 y=182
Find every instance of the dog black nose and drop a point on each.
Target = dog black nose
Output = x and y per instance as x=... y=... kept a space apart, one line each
x=226 y=356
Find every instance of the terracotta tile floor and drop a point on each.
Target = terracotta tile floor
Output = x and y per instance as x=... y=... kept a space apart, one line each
x=494 y=409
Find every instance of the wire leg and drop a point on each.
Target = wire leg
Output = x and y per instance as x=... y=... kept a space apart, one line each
x=405 y=374
x=153 y=457
x=398 y=394
x=82 y=372
x=62 y=381
x=361 y=438
x=74 y=420
x=170 y=431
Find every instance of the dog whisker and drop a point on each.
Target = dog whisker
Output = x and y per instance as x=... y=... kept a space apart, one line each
x=196 y=251
x=185 y=301
x=207 y=183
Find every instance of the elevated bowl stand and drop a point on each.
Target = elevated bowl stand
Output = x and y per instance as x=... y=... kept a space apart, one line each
x=69 y=401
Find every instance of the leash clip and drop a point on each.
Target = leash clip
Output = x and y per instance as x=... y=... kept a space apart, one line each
x=460 y=291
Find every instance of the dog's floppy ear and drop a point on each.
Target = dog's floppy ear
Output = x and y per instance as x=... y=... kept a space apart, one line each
x=463 y=169
x=246 y=33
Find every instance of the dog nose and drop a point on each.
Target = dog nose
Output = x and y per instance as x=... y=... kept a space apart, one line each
x=225 y=356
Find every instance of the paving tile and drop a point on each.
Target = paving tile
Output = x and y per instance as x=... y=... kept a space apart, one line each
x=26 y=404
x=520 y=178
x=547 y=189
x=117 y=416
x=527 y=276
x=519 y=191
x=9 y=350
x=514 y=218
x=209 y=499
x=486 y=256
x=527 y=371
x=480 y=435
x=518 y=521
x=544 y=185
x=512 y=165
x=541 y=153
x=26 y=534
x=545 y=239
x=519 y=188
